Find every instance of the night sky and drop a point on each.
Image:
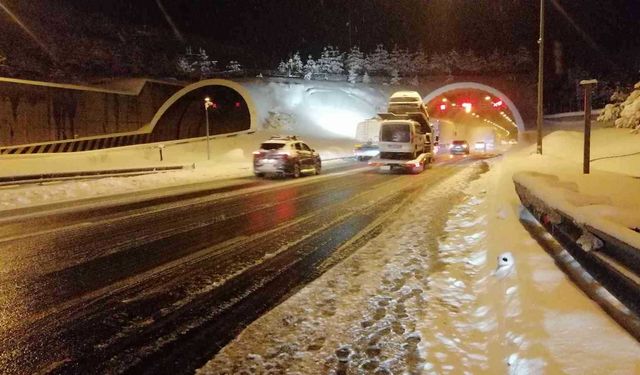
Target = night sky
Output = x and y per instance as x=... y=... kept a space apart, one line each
x=270 y=29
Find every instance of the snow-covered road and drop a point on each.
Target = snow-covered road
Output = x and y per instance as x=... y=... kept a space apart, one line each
x=454 y=286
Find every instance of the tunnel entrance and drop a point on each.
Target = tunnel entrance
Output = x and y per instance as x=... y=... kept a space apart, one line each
x=475 y=113
x=183 y=115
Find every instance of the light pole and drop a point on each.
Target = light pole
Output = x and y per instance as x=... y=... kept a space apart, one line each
x=540 y=79
x=207 y=104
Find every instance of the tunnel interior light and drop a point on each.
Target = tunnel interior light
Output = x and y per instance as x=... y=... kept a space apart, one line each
x=467 y=107
x=443 y=107
x=487 y=98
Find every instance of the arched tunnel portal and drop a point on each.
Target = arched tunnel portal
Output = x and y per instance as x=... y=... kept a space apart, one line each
x=182 y=116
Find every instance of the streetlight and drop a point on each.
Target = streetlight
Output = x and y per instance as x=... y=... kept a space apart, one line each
x=540 y=78
x=207 y=103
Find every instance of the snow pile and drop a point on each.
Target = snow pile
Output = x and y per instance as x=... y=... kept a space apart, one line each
x=574 y=197
x=614 y=150
x=623 y=113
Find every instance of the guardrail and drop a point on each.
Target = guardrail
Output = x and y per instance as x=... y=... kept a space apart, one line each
x=615 y=265
x=49 y=177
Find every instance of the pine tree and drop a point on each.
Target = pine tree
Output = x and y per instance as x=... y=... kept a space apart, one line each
x=310 y=68
x=439 y=64
x=395 y=76
x=471 y=63
x=365 y=78
x=354 y=63
x=331 y=61
x=420 y=63
x=296 y=64
x=205 y=66
x=453 y=61
x=184 y=66
x=234 y=66
x=496 y=62
x=377 y=62
x=355 y=60
x=283 y=68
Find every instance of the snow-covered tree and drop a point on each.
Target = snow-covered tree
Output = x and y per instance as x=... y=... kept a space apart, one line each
x=420 y=63
x=205 y=65
x=377 y=62
x=292 y=67
x=234 y=66
x=296 y=64
x=331 y=61
x=454 y=60
x=184 y=66
x=439 y=64
x=395 y=77
x=196 y=65
x=471 y=63
x=354 y=63
x=310 y=68
x=365 y=78
x=625 y=114
x=400 y=61
x=496 y=62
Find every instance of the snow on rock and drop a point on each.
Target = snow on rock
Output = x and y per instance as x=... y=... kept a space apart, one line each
x=588 y=242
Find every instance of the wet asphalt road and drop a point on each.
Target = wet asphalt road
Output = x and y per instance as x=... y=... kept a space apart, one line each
x=159 y=286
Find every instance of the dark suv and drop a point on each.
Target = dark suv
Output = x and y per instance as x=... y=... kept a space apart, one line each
x=285 y=156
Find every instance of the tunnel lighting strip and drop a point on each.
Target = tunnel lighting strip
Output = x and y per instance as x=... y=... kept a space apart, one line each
x=506 y=117
x=497 y=126
x=493 y=123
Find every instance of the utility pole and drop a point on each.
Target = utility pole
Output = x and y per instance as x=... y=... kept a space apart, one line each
x=540 y=117
x=207 y=104
x=588 y=88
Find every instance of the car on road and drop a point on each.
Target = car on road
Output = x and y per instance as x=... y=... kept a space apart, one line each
x=480 y=146
x=459 y=147
x=285 y=156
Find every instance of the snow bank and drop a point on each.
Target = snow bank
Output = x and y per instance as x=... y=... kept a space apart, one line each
x=607 y=199
x=598 y=211
x=623 y=112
